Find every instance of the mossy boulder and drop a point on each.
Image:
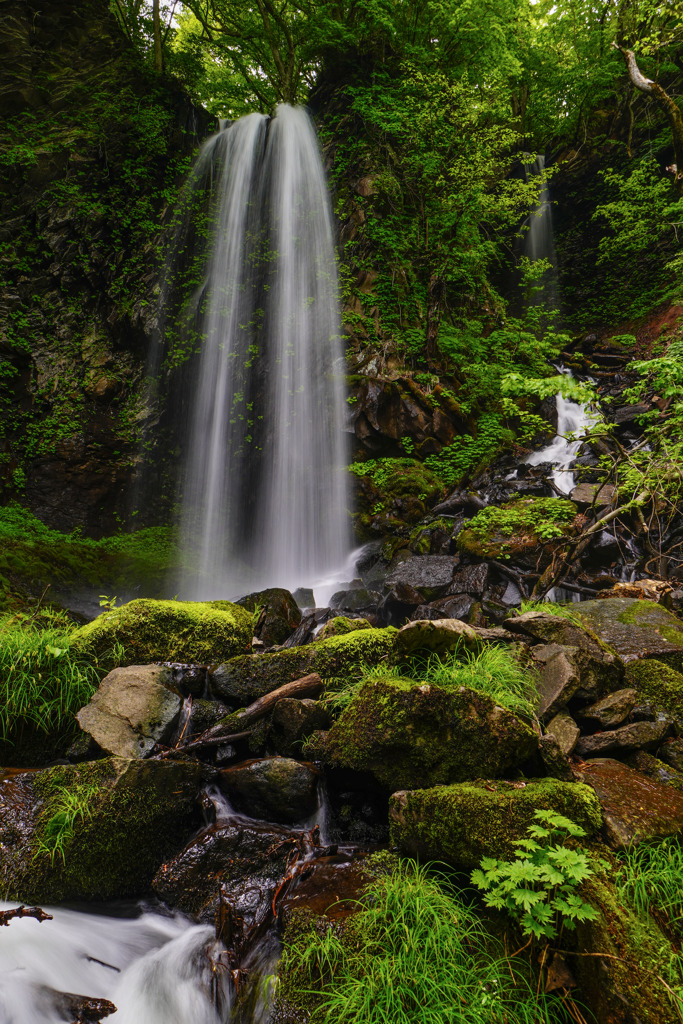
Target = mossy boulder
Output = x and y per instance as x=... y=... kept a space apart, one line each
x=243 y=680
x=657 y=683
x=279 y=614
x=409 y=734
x=517 y=528
x=636 y=629
x=94 y=831
x=146 y=631
x=341 y=625
x=461 y=824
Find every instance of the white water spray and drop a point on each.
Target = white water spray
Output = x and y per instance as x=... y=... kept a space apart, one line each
x=264 y=497
x=573 y=421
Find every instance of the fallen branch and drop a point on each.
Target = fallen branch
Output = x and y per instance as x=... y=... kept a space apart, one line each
x=242 y=721
x=35 y=912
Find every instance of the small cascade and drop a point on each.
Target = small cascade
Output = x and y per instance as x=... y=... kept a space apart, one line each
x=573 y=420
x=264 y=494
x=154 y=968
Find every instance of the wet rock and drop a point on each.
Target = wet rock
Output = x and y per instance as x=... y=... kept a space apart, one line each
x=515 y=536
x=565 y=730
x=559 y=677
x=179 y=631
x=133 y=709
x=611 y=711
x=585 y=495
x=457 y=607
x=330 y=888
x=636 y=629
x=279 y=614
x=410 y=734
x=600 y=672
x=634 y=808
x=236 y=863
x=204 y=714
x=461 y=824
x=274 y=788
x=82 y=1009
x=293 y=720
x=389 y=410
x=655 y=769
x=354 y=599
x=636 y=736
x=132 y=815
x=671 y=753
x=428 y=576
x=555 y=763
x=438 y=636
x=190 y=680
x=243 y=680
x=471 y=579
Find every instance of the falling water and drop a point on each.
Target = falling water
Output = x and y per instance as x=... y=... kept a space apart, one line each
x=154 y=968
x=264 y=496
x=539 y=240
x=573 y=420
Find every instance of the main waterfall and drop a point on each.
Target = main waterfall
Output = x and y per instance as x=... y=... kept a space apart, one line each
x=264 y=494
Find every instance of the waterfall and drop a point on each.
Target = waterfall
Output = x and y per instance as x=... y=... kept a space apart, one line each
x=539 y=240
x=572 y=419
x=264 y=493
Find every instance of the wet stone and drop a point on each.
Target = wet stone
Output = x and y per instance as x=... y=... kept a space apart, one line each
x=274 y=788
x=565 y=730
x=293 y=720
x=428 y=576
x=634 y=808
x=559 y=677
x=636 y=629
x=611 y=711
x=554 y=761
x=457 y=607
x=672 y=754
x=636 y=736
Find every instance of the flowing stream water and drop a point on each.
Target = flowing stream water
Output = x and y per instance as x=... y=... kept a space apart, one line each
x=264 y=493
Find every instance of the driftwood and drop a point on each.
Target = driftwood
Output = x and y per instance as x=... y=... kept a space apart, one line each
x=308 y=686
x=8 y=915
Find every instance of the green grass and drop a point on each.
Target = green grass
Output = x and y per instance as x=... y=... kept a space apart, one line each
x=651 y=880
x=493 y=671
x=414 y=954
x=42 y=685
x=68 y=808
x=562 y=611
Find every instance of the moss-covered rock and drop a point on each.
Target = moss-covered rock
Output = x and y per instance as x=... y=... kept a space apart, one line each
x=144 y=631
x=658 y=683
x=341 y=625
x=517 y=527
x=461 y=824
x=410 y=734
x=245 y=679
x=93 y=831
x=636 y=629
x=279 y=614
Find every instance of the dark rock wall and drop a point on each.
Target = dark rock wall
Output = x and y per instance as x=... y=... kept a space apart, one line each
x=93 y=147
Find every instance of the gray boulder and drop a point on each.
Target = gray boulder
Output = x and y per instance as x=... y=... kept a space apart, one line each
x=636 y=736
x=611 y=711
x=133 y=709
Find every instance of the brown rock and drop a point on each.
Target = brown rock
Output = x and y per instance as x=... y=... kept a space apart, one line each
x=565 y=730
x=634 y=808
x=636 y=736
x=611 y=710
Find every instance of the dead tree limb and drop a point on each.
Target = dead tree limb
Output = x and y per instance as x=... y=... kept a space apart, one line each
x=8 y=915
x=664 y=102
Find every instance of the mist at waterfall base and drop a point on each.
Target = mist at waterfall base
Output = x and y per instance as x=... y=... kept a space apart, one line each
x=264 y=494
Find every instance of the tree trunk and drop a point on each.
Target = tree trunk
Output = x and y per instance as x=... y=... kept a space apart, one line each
x=665 y=102
x=158 y=52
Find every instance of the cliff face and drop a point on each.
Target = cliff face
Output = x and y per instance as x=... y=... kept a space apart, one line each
x=92 y=149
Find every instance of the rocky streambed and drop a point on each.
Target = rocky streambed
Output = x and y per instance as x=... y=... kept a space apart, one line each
x=238 y=798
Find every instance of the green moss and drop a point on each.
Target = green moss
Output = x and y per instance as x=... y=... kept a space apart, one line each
x=461 y=824
x=411 y=734
x=246 y=678
x=341 y=625
x=400 y=478
x=501 y=530
x=134 y=815
x=658 y=683
x=422 y=537
x=149 y=631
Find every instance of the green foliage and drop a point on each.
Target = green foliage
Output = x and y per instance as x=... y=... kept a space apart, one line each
x=42 y=684
x=67 y=807
x=563 y=611
x=413 y=953
x=544 y=518
x=651 y=880
x=540 y=888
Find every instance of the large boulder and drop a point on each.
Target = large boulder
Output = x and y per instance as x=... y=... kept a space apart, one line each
x=275 y=788
x=461 y=824
x=625 y=740
x=437 y=636
x=94 y=831
x=244 y=679
x=143 y=631
x=636 y=629
x=515 y=529
x=133 y=709
x=292 y=721
x=599 y=670
x=634 y=808
x=279 y=614
x=410 y=734
x=423 y=578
